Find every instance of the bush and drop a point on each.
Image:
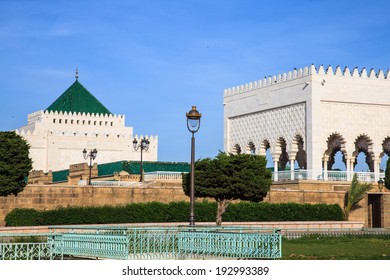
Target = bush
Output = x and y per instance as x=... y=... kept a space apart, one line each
x=24 y=217
x=387 y=174
x=252 y=212
x=153 y=212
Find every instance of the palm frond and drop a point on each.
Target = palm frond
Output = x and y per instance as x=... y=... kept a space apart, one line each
x=356 y=193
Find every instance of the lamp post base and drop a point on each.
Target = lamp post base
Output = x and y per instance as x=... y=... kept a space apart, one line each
x=192 y=221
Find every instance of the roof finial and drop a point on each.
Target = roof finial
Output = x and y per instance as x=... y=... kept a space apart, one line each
x=77 y=73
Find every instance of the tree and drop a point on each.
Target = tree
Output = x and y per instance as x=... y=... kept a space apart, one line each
x=354 y=195
x=387 y=174
x=14 y=163
x=228 y=177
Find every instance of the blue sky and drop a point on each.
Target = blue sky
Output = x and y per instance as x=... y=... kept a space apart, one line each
x=152 y=60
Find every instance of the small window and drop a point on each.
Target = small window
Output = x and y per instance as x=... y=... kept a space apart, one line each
x=112 y=123
x=83 y=122
x=54 y=120
x=78 y=121
x=60 y=121
x=94 y=123
x=89 y=122
x=71 y=122
x=66 y=121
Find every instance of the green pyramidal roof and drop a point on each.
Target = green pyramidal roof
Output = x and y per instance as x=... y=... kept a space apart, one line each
x=77 y=99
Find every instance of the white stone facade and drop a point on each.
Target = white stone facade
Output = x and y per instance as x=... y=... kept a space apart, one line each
x=309 y=114
x=57 y=139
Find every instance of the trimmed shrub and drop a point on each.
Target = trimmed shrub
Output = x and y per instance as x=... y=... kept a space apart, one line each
x=153 y=212
x=24 y=217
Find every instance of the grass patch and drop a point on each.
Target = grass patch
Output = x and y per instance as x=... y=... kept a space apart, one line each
x=348 y=247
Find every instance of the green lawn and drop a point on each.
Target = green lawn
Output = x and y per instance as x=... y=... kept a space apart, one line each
x=349 y=247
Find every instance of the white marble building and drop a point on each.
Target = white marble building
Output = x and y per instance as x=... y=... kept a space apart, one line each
x=77 y=120
x=304 y=117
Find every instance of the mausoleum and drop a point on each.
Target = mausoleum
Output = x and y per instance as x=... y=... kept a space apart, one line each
x=75 y=121
x=304 y=117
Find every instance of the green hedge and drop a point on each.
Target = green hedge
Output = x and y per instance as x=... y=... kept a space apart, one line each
x=174 y=212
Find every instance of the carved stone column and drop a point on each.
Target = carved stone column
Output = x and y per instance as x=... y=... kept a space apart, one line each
x=292 y=167
x=377 y=163
x=325 y=163
x=276 y=163
x=350 y=162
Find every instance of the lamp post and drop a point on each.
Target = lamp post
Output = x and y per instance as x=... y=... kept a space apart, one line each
x=91 y=155
x=144 y=145
x=193 y=125
x=380 y=184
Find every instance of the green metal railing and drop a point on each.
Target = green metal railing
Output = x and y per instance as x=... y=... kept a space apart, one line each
x=150 y=243
x=43 y=249
x=25 y=251
x=227 y=243
x=172 y=242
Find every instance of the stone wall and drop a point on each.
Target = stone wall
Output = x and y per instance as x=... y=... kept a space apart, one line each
x=48 y=197
x=329 y=192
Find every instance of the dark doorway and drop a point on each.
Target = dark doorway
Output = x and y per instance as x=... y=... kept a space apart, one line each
x=375 y=210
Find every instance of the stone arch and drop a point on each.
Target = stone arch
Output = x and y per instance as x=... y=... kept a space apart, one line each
x=265 y=150
x=264 y=146
x=335 y=143
x=236 y=149
x=386 y=146
x=251 y=148
x=385 y=154
x=300 y=153
x=281 y=150
x=364 y=144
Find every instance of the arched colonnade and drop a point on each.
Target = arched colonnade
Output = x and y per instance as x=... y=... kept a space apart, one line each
x=293 y=153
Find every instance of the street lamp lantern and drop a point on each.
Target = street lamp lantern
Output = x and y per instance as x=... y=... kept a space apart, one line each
x=380 y=184
x=91 y=155
x=193 y=120
x=193 y=125
x=135 y=142
x=144 y=145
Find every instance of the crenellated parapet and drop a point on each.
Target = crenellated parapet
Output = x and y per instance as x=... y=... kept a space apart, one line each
x=73 y=121
x=78 y=118
x=78 y=114
x=152 y=138
x=307 y=71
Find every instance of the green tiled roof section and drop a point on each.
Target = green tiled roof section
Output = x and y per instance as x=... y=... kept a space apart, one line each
x=133 y=167
x=61 y=175
x=78 y=99
x=110 y=168
x=159 y=166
